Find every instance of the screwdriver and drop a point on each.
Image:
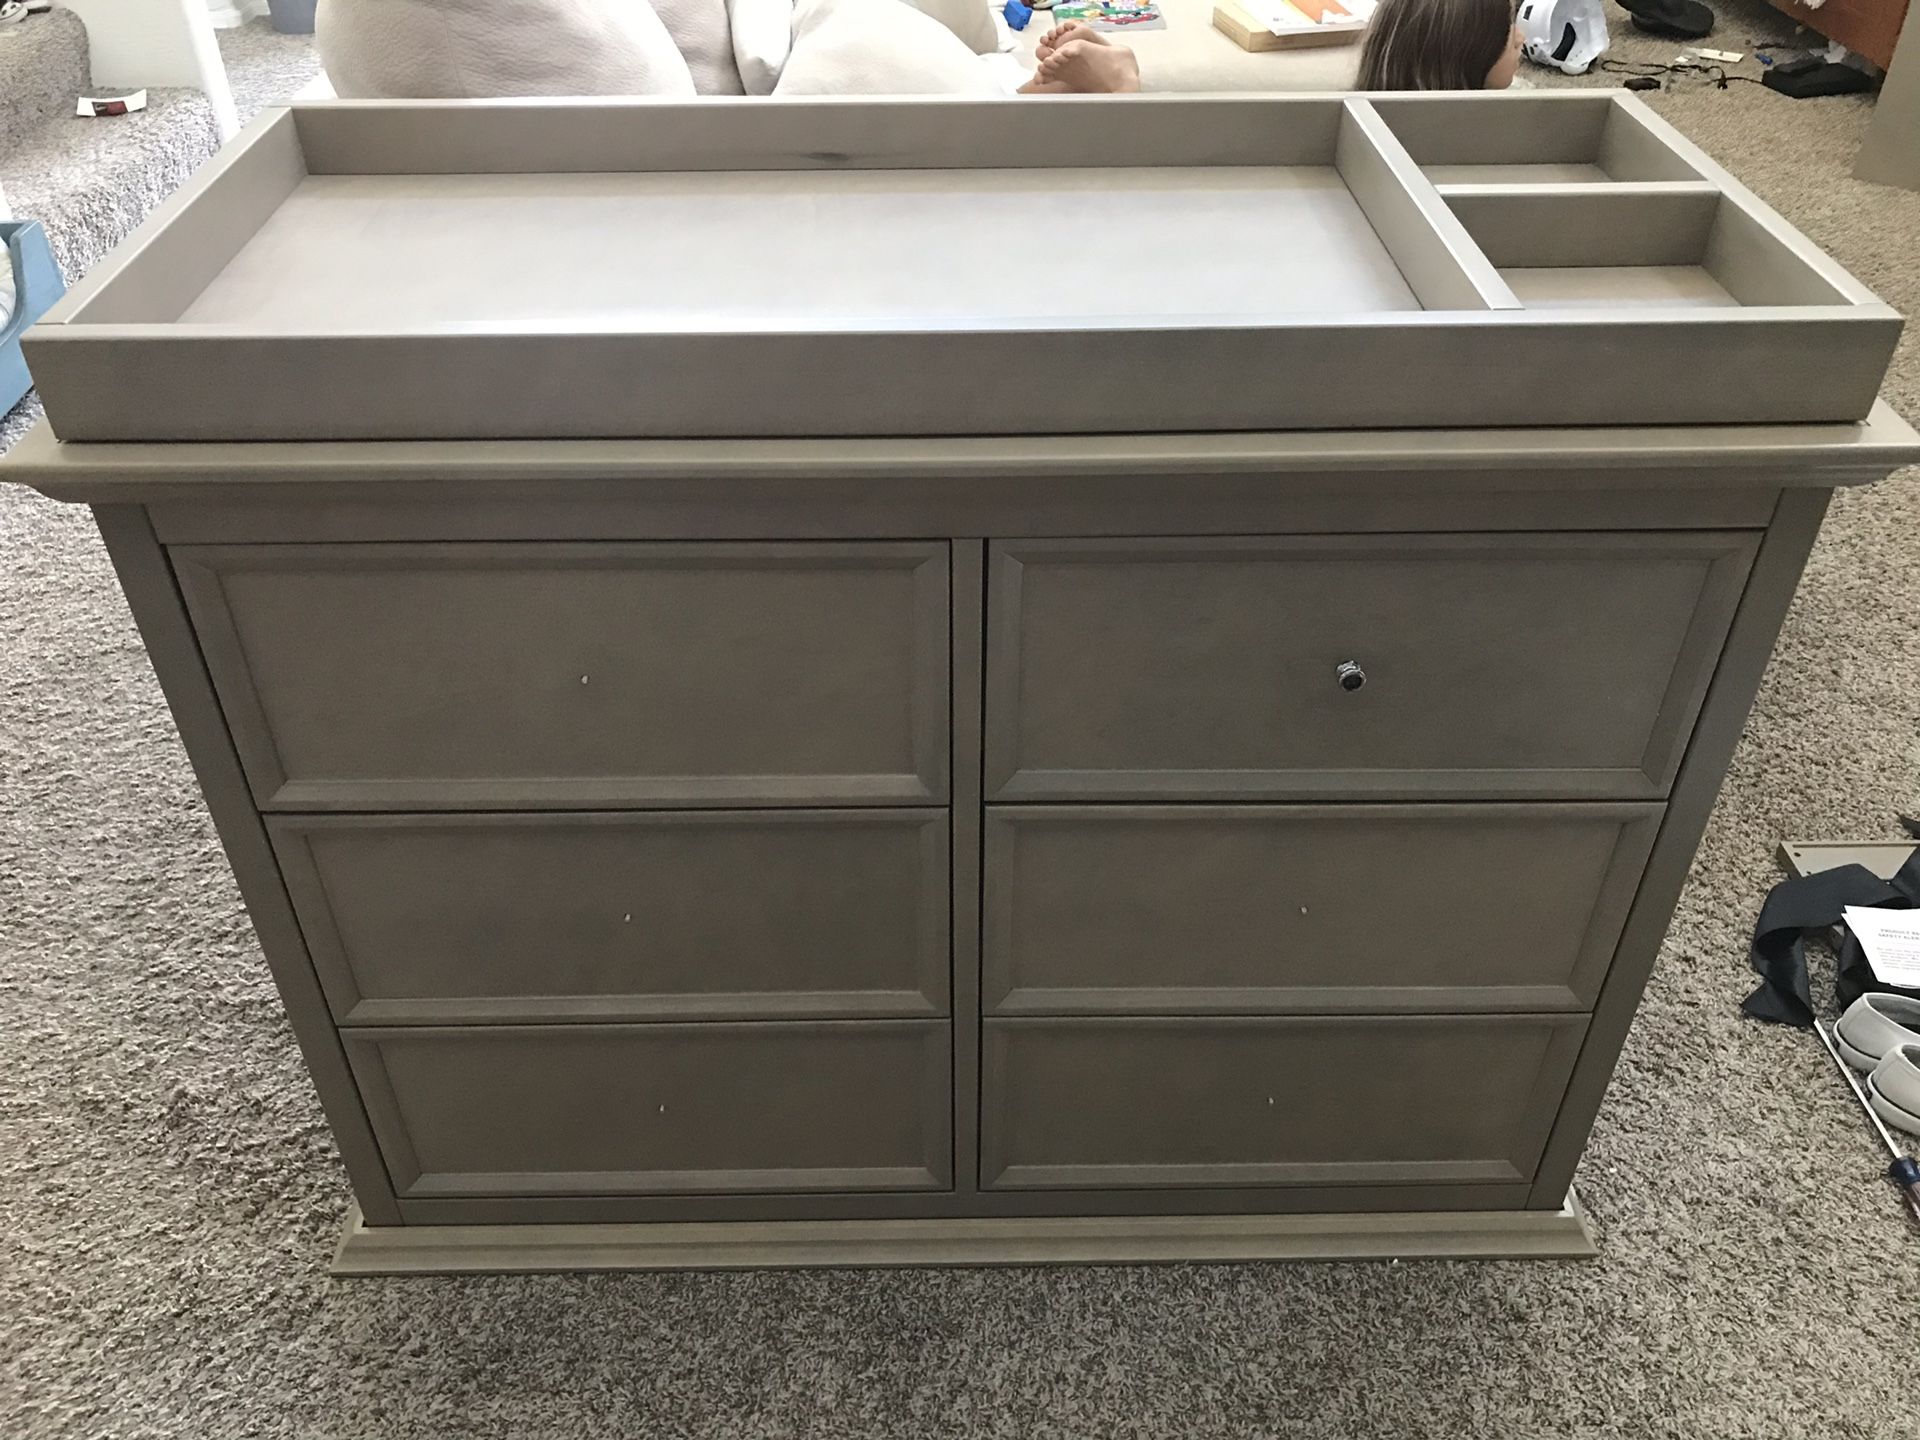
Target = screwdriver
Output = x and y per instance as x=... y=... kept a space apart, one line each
x=1903 y=1172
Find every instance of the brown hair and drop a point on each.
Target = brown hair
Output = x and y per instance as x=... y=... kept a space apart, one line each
x=1434 y=44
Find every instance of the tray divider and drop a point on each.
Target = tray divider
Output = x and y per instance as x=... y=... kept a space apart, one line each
x=1441 y=262
x=158 y=271
x=1594 y=226
x=1571 y=189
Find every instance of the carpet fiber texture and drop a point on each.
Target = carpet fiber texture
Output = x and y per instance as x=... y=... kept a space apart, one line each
x=169 y=1195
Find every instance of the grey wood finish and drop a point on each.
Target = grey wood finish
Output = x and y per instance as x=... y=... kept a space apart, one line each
x=1744 y=200
x=1556 y=666
x=1534 y=136
x=165 y=629
x=716 y=133
x=813 y=690
x=191 y=236
x=1606 y=286
x=968 y=646
x=1224 y=1101
x=870 y=349
x=1595 y=226
x=1449 y=1195
x=885 y=507
x=1757 y=365
x=533 y=1249
x=1172 y=910
x=1433 y=250
x=510 y=676
x=636 y=252
x=632 y=1109
x=1759 y=267
x=1763 y=608
x=741 y=914
x=1607 y=476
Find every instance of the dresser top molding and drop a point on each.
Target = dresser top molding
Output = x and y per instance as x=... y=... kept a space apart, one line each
x=1724 y=457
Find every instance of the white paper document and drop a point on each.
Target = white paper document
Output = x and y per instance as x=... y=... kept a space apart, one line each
x=1891 y=939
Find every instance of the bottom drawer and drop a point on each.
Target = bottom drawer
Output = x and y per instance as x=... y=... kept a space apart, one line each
x=1245 y=1101
x=675 y=1109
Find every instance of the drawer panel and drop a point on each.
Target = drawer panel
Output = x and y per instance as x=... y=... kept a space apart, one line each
x=660 y=1109
x=656 y=915
x=1263 y=908
x=1389 y=1100
x=1554 y=665
x=547 y=676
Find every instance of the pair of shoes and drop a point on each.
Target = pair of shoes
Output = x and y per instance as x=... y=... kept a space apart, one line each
x=1880 y=1034
x=1875 y=1024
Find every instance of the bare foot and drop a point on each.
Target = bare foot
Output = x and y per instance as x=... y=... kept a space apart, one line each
x=1082 y=67
x=1060 y=34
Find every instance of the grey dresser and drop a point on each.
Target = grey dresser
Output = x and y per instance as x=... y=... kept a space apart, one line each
x=1094 y=830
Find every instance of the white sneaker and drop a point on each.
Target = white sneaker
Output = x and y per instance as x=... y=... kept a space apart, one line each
x=1875 y=1024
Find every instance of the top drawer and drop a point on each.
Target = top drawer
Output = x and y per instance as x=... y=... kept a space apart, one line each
x=1551 y=665
x=367 y=677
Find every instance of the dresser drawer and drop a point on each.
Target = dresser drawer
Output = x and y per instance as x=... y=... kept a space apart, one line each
x=743 y=914
x=1256 y=1102
x=659 y=1109
x=1286 y=908
x=1564 y=665
x=543 y=676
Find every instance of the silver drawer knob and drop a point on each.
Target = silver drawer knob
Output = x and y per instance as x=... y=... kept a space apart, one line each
x=1350 y=675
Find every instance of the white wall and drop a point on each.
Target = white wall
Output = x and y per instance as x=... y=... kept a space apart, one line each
x=138 y=43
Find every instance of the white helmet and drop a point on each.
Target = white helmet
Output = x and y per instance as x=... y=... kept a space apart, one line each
x=1567 y=35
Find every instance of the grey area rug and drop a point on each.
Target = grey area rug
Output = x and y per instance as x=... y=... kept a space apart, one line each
x=169 y=1196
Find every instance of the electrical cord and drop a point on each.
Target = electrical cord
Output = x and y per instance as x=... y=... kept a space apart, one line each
x=1655 y=70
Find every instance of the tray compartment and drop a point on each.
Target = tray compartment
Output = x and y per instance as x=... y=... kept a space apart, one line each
x=1529 y=139
x=1601 y=248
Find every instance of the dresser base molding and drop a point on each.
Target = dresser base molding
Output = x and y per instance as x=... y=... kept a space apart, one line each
x=1562 y=1234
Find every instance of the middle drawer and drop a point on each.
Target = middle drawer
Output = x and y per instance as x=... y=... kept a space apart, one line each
x=1292 y=909
x=742 y=914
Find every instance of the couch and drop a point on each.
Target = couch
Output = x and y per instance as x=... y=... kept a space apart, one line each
x=790 y=48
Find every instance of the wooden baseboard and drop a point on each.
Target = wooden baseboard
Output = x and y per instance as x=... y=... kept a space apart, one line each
x=1106 y=1240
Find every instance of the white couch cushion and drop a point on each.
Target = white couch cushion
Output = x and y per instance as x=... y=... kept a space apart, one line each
x=474 y=49
x=762 y=36
x=879 y=47
x=971 y=20
x=705 y=36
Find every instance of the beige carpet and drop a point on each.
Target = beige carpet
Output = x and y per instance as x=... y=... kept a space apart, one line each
x=168 y=1196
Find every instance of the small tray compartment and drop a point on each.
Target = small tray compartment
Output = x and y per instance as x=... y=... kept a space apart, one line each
x=1533 y=139
x=1671 y=249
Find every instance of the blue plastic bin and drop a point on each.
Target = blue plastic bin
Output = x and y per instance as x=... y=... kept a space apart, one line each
x=38 y=281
